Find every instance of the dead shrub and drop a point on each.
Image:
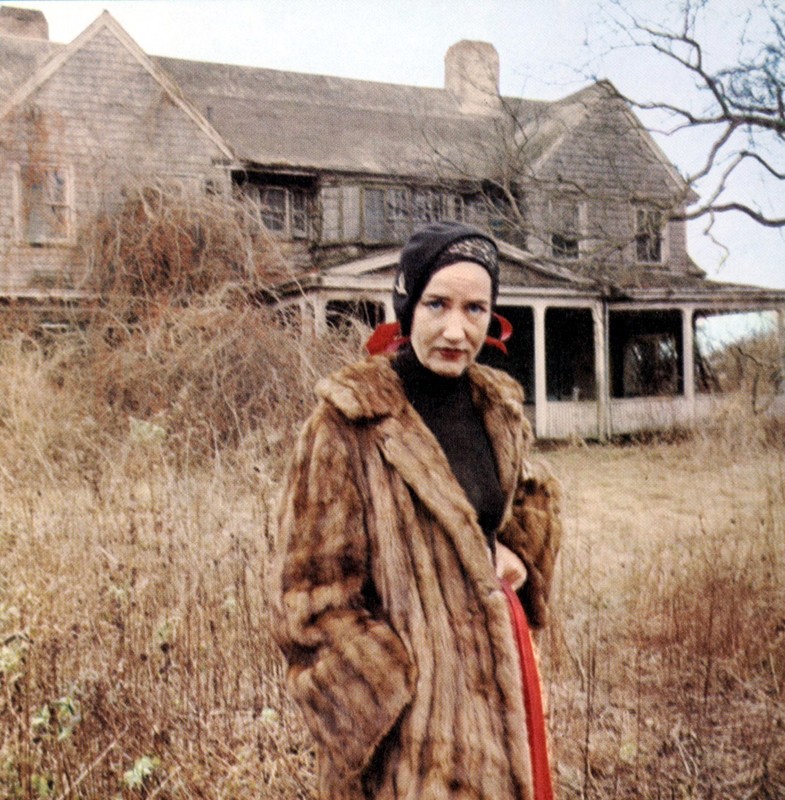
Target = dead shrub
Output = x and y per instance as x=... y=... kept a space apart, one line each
x=168 y=244
x=209 y=375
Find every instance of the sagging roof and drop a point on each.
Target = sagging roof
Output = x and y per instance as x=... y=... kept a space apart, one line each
x=274 y=119
x=324 y=123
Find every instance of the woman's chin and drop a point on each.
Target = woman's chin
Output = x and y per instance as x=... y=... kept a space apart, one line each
x=448 y=366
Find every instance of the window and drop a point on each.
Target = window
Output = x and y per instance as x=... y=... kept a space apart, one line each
x=374 y=215
x=385 y=214
x=299 y=214
x=427 y=206
x=397 y=213
x=565 y=227
x=504 y=213
x=44 y=204
x=648 y=235
x=284 y=210
x=272 y=208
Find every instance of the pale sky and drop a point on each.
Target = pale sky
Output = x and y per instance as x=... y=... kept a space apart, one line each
x=547 y=48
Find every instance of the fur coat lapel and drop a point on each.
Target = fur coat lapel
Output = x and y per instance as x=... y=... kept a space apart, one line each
x=413 y=450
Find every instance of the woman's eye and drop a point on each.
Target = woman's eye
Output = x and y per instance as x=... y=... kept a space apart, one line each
x=435 y=305
x=476 y=308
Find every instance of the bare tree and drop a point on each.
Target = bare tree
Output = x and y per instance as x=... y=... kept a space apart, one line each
x=739 y=105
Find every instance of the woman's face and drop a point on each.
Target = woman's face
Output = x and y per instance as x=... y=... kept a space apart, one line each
x=451 y=319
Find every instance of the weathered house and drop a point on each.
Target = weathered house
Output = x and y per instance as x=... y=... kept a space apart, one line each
x=596 y=276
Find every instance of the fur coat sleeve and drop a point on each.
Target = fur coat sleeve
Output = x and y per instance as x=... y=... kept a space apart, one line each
x=534 y=533
x=337 y=647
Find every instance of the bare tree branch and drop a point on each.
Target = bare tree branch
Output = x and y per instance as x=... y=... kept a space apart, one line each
x=745 y=101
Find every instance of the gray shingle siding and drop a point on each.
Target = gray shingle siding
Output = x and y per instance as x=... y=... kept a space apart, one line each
x=106 y=118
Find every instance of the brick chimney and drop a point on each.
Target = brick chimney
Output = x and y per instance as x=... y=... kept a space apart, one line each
x=26 y=22
x=471 y=75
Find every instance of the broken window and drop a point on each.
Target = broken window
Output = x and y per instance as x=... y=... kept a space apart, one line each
x=648 y=235
x=374 y=215
x=505 y=214
x=45 y=205
x=284 y=209
x=398 y=214
x=390 y=214
x=272 y=208
x=299 y=213
x=565 y=228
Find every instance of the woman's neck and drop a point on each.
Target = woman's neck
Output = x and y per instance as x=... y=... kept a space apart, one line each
x=418 y=379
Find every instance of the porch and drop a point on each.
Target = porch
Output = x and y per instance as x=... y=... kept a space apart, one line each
x=594 y=363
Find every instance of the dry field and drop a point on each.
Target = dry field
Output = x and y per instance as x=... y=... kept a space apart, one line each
x=666 y=661
x=136 y=661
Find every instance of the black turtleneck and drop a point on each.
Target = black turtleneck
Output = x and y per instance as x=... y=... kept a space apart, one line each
x=445 y=405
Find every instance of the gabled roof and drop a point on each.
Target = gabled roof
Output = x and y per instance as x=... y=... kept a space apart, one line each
x=307 y=122
x=550 y=139
x=48 y=66
x=285 y=120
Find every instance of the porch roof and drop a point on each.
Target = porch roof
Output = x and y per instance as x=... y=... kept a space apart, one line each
x=524 y=277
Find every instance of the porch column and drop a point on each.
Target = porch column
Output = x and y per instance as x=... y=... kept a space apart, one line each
x=540 y=379
x=601 y=373
x=318 y=312
x=688 y=344
x=389 y=311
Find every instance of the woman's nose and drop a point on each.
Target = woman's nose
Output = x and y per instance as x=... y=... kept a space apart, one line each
x=454 y=329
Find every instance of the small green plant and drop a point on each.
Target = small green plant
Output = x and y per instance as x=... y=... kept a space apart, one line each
x=141 y=773
x=58 y=718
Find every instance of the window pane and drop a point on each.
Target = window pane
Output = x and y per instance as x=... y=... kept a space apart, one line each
x=563 y=246
x=44 y=204
x=648 y=235
x=453 y=206
x=426 y=207
x=272 y=207
x=397 y=213
x=351 y=213
x=565 y=228
x=299 y=211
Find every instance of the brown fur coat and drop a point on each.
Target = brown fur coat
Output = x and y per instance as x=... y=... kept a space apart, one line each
x=396 y=633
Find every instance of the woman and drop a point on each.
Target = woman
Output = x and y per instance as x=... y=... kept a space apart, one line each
x=408 y=499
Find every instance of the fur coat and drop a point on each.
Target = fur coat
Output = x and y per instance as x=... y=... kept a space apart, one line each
x=398 y=639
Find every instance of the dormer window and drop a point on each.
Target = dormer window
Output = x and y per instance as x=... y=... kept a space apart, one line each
x=649 y=228
x=44 y=204
x=565 y=228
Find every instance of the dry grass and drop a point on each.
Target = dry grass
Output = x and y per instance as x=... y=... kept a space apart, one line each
x=135 y=655
x=667 y=663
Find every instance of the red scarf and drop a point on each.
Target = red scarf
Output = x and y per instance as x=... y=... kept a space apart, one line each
x=532 y=698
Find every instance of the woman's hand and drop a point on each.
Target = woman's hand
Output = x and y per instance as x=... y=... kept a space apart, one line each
x=509 y=567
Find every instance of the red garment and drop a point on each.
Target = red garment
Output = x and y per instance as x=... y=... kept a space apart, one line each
x=532 y=698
